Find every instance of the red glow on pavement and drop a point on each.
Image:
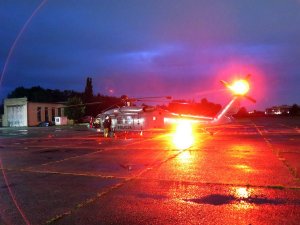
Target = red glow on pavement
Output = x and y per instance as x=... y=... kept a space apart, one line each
x=185 y=157
x=244 y=167
x=241 y=151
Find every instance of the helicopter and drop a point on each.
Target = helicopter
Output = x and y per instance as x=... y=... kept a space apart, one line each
x=131 y=118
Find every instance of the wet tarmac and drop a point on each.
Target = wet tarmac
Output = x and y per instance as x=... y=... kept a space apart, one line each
x=246 y=173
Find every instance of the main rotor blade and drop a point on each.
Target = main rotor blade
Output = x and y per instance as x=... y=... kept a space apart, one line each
x=247 y=78
x=251 y=99
x=225 y=83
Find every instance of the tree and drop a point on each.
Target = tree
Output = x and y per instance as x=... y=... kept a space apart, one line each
x=88 y=91
x=88 y=96
x=204 y=101
x=39 y=94
x=75 y=108
x=295 y=110
x=19 y=92
x=242 y=112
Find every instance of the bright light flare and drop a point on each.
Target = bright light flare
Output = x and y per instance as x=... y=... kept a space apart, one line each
x=240 y=87
x=183 y=137
x=242 y=193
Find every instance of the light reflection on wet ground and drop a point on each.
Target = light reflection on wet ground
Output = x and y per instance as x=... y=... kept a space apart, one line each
x=63 y=175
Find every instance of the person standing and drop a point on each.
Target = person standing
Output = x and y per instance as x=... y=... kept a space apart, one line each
x=107 y=126
x=91 y=122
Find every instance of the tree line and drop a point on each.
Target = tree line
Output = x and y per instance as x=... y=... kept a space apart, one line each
x=78 y=104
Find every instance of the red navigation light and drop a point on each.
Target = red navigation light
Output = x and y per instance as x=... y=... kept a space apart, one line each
x=240 y=87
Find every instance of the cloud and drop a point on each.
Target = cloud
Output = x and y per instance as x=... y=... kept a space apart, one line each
x=138 y=47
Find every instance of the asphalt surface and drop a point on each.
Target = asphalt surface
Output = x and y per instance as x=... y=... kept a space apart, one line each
x=246 y=173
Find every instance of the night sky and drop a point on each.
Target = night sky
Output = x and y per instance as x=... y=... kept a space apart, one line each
x=153 y=47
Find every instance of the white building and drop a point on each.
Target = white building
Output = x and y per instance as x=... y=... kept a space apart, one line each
x=278 y=110
x=19 y=112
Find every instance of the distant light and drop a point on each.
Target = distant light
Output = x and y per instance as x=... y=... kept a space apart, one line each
x=240 y=87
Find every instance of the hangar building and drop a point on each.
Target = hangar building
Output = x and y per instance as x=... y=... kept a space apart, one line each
x=19 y=112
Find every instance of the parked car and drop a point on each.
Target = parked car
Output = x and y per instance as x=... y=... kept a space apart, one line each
x=45 y=124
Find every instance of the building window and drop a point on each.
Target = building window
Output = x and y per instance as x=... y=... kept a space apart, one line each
x=53 y=113
x=46 y=114
x=59 y=112
x=39 y=114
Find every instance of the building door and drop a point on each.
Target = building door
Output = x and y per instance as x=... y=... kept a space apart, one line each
x=17 y=116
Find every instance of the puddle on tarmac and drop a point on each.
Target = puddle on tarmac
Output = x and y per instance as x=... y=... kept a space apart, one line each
x=217 y=199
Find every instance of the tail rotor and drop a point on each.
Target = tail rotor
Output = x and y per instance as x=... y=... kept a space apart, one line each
x=240 y=87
